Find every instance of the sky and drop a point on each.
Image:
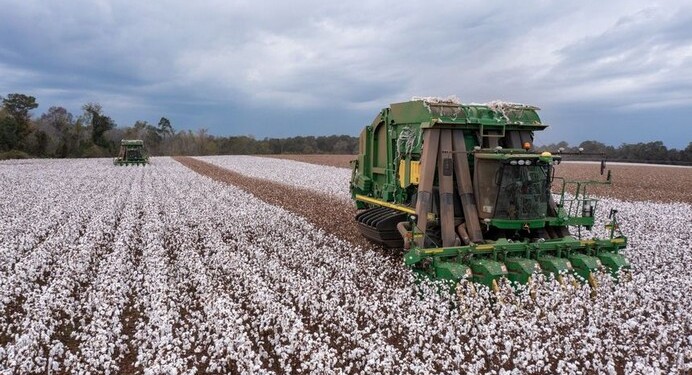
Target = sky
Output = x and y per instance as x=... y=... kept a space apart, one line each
x=613 y=71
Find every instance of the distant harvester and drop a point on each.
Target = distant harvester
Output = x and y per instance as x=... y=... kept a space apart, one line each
x=131 y=153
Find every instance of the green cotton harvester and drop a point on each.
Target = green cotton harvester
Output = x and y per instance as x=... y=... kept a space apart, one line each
x=459 y=187
x=131 y=153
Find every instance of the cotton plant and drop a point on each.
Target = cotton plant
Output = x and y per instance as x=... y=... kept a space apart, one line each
x=162 y=270
x=289 y=172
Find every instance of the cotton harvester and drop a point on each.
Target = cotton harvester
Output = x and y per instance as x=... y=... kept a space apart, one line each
x=460 y=189
x=131 y=153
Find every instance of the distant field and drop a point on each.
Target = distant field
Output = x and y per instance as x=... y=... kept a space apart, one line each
x=636 y=182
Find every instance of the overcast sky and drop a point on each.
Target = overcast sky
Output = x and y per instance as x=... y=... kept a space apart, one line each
x=614 y=71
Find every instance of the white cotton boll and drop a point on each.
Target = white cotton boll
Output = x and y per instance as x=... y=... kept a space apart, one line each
x=259 y=271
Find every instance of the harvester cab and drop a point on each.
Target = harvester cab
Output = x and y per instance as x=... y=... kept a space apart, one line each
x=131 y=153
x=460 y=188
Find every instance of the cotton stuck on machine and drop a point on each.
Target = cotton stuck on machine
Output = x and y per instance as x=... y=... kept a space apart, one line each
x=460 y=188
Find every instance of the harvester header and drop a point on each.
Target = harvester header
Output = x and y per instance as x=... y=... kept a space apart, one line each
x=459 y=186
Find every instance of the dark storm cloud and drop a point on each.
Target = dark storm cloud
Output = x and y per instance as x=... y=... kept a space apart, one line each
x=314 y=67
x=642 y=58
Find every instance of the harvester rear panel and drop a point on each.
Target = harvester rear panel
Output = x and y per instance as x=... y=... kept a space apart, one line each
x=131 y=153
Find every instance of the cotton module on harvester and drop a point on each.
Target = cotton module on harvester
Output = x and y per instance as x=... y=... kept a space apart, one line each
x=460 y=188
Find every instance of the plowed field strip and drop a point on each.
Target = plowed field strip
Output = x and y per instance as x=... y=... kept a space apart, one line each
x=328 y=214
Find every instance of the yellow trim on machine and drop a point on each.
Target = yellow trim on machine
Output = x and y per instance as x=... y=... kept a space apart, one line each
x=414 y=177
x=485 y=247
x=378 y=202
x=592 y=242
x=435 y=250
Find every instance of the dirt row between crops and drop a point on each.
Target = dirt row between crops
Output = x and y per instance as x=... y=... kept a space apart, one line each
x=630 y=182
x=332 y=216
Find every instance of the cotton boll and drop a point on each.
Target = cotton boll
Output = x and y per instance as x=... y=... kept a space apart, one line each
x=252 y=285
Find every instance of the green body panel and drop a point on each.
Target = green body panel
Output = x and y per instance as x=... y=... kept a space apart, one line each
x=376 y=165
x=519 y=270
x=554 y=265
x=451 y=271
x=529 y=236
x=584 y=265
x=485 y=271
x=614 y=262
x=519 y=224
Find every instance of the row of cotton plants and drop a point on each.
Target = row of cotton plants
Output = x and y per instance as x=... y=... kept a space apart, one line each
x=652 y=305
x=294 y=173
x=161 y=270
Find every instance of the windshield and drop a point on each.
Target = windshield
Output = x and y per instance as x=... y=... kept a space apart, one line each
x=523 y=192
x=134 y=154
x=513 y=192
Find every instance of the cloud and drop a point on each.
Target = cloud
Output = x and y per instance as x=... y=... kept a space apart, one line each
x=218 y=63
x=633 y=64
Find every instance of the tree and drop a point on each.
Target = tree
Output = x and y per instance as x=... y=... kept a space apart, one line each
x=18 y=107
x=165 y=129
x=99 y=123
x=152 y=139
x=9 y=138
x=593 y=147
x=58 y=118
x=137 y=130
x=41 y=145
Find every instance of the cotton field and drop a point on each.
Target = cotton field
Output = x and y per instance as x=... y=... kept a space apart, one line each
x=325 y=179
x=160 y=270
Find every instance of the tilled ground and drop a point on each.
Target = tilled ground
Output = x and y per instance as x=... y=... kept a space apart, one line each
x=630 y=182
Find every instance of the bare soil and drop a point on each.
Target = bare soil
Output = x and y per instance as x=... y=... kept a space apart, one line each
x=636 y=182
x=630 y=182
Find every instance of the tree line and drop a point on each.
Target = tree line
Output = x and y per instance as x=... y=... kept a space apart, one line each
x=650 y=152
x=57 y=133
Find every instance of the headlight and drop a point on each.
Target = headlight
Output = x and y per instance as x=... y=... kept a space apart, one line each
x=528 y=162
x=521 y=162
x=513 y=162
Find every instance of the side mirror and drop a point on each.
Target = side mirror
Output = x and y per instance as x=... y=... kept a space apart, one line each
x=603 y=166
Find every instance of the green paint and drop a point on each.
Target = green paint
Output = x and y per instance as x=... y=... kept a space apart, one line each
x=511 y=185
